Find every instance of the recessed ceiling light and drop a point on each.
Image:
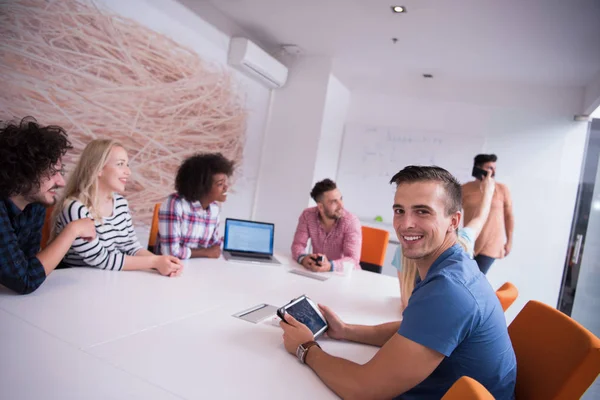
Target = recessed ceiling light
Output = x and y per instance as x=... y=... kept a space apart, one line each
x=398 y=9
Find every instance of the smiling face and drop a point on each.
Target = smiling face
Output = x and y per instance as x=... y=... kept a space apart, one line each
x=424 y=228
x=46 y=193
x=220 y=186
x=116 y=172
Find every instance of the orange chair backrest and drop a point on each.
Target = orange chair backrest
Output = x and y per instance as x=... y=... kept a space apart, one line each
x=46 y=228
x=374 y=245
x=557 y=358
x=154 y=229
x=507 y=294
x=467 y=389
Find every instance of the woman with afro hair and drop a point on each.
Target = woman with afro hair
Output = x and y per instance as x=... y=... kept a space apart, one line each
x=188 y=221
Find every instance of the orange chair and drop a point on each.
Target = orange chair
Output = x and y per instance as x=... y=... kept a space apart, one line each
x=152 y=246
x=46 y=228
x=467 y=389
x=557 y=358
x=507 y=294
x=374 y=246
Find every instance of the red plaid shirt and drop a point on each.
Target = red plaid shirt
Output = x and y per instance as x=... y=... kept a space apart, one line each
x=183 y=226
x=342 y=243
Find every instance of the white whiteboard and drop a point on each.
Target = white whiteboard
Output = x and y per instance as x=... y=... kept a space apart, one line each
x=371 y=155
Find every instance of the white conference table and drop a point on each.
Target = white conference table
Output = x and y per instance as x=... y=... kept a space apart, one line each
x=92 y=334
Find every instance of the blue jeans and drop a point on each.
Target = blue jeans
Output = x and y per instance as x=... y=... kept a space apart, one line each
x=484 y=262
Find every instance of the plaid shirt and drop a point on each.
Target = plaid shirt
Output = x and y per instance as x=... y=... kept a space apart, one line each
x=342 y=243
x=183 y=226
x=20 y=237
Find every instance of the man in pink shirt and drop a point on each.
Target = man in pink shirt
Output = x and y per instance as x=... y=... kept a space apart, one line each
x=335 y=234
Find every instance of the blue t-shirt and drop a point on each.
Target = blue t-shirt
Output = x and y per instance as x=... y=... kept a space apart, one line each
x=455 y=311
x=467 y=234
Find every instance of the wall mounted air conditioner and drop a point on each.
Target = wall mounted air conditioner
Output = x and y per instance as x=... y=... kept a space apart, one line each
x=256 y=63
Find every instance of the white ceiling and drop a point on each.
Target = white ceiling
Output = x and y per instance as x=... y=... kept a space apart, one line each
x=534 y=42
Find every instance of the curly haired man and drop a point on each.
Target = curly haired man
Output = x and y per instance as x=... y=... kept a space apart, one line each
x=30 y=172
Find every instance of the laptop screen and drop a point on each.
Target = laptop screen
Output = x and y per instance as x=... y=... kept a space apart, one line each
x=248 y=236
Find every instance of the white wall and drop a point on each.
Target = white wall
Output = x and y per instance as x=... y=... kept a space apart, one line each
x=290 y=147
x=337 y=102
x=540 y=152
x=591 y=97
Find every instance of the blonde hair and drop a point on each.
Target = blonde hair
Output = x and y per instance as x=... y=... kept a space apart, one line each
x=83 y=182
x=409 y=274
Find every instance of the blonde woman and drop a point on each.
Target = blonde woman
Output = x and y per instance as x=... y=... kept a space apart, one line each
x=93 y=192
x=407 y=269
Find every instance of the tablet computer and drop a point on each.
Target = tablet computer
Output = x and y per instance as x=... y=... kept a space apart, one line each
x=307 y=312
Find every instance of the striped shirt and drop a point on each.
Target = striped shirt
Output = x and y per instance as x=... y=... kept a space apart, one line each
x=342 y=243
x=183 y=226
x=115 y=237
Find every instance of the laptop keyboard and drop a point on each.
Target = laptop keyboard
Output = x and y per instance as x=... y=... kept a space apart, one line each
x=257 y=256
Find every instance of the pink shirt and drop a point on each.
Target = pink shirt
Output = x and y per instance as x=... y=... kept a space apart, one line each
x=342 y=243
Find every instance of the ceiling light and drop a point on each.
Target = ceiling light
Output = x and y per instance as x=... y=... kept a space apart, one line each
x=398 y=9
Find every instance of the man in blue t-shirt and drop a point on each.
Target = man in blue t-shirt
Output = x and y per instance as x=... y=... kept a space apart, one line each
x=453 y=325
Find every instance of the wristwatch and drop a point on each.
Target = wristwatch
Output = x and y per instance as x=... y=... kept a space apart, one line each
x=302 y=350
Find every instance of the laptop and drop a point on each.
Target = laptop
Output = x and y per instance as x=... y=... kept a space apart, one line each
x=249 y=241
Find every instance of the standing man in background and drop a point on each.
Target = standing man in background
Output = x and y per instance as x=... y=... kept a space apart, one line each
x=335 y=234
x=495 y=239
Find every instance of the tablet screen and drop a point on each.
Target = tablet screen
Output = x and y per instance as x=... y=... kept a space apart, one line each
x=305 y=313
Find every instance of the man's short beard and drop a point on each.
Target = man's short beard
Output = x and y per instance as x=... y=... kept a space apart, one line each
x=333 y=216
x=41 y=199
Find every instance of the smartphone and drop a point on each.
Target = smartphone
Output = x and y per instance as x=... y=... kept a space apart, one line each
x=479 y=173
x=307 y=312
x=318 y=260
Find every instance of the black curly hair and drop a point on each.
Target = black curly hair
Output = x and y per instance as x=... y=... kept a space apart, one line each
x=194 y=178
x=28 y=153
